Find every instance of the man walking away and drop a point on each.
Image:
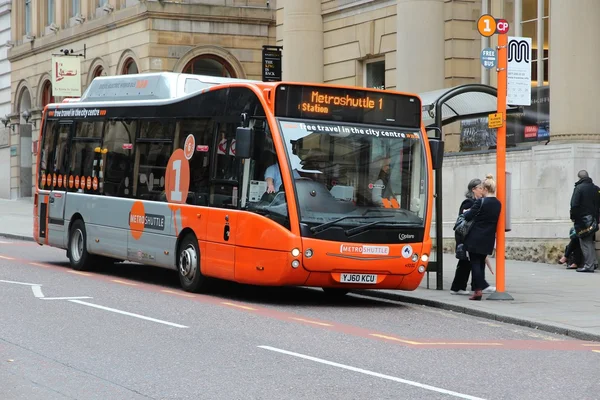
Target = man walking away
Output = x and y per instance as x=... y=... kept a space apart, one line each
x=585 y=202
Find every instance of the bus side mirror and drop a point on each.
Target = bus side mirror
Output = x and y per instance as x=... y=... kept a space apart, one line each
x=436 y=147
x=244 y=142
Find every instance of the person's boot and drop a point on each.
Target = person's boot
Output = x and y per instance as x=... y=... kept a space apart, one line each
x=477 y=295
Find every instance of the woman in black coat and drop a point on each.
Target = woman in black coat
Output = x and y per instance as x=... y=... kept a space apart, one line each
x=481 y=238
x=463 y=268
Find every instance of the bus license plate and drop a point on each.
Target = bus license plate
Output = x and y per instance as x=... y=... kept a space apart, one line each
x=358 y=278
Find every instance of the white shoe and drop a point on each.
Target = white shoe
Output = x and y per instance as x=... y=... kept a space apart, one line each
x=463 y=292
x=489 y=289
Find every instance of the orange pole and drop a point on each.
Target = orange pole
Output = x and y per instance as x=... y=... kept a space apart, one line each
x=501 y=162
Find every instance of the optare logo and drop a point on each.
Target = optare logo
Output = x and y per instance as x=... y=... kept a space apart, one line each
x=406 y=236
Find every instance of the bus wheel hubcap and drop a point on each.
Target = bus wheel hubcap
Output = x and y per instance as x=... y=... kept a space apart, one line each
x=77 y=245
x=188 y=261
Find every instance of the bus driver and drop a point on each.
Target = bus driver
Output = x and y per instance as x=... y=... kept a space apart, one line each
x=273 y=177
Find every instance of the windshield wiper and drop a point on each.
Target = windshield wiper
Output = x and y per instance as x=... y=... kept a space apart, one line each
x=322 y=227
x=362 y=228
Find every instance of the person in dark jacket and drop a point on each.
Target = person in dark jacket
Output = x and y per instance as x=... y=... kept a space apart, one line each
x=463 y=268
x=585 y=201
x=481 y=238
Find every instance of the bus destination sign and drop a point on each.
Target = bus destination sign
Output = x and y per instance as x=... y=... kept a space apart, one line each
x=347 y=105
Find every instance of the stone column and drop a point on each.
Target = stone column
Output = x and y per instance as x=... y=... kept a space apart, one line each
x=420 y=65
x=574 y=66
x=302 y=41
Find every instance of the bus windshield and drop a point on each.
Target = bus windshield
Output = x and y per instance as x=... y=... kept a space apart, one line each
x=350 y=174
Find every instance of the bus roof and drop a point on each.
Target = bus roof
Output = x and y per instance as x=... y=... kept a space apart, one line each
x=151 y=86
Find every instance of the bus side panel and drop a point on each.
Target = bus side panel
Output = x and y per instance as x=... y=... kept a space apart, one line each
x=106 y=222
x=264 y=267
x=150 y=232
x=263 y=252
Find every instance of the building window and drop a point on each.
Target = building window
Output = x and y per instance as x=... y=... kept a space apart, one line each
x=375 y=74
x=209 y=65
x=27 y=17
x=532 y=17
x=75 y=7
x=102 y=3
x=97 y=72
x=47 y=97
x=130 y=67
x=51 y=13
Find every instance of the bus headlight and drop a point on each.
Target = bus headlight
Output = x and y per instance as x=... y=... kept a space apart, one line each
x=424 y=257
x=421 y=269
x=415 y=257
x=296 y=252
x=308 y=253
x=295 y=264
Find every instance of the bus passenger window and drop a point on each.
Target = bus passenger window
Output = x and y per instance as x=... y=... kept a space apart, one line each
x=224 y=190
x=84 y=160
x=202 y=131
x=154 y=146
x=118 y=159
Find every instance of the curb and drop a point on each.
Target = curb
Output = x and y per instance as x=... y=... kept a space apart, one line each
x=573 y=333
x=18 y=237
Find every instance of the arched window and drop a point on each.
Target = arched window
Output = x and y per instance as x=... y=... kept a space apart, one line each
x=97 y=71
x=130 y=67
x=209 y=65
x=47 y=97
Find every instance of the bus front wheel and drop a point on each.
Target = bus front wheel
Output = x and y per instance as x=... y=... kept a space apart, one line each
x=79 y=257
x=188 y=265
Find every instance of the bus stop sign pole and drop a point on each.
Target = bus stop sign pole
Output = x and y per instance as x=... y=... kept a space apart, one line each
x=488 y=26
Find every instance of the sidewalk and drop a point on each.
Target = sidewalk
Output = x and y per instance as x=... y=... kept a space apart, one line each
x=547 y=297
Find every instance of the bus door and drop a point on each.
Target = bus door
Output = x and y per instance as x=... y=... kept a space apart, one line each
x=222 y=216
x=58 y=190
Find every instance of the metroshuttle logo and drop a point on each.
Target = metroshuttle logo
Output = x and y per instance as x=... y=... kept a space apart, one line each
x=518 y=51
x=364 y=250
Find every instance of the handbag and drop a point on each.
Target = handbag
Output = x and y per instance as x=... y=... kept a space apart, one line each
x=587 y=226
x=462 y=226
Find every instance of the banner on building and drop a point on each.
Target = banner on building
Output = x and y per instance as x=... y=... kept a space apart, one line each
x=66 y=76
x=532 y=125
x=271 y=59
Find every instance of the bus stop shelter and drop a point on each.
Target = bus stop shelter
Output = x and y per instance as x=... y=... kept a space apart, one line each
x=442 y=107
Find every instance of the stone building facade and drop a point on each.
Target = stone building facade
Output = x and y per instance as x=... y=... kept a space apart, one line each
x=5 y=98
x=210 y=37
x=423 y=45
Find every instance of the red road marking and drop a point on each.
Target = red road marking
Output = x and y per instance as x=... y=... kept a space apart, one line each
x=546 y=345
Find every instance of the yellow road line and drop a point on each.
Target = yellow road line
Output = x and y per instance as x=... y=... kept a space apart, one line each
x=7 y=258
x=394 y=338
x=240 y=306
x=311 y=322
x=39 y=265
x=434 y=343
x=591 y=345
x=79 y=273
x=178 y=293
x=596 y=351
x=123 y=282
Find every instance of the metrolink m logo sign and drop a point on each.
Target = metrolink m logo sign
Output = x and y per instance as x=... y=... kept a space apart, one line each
x=518 y=73
x=519 y=51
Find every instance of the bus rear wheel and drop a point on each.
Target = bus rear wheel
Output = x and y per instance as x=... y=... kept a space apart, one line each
x=79 y=257
x=335 y=292
x=188 y=265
